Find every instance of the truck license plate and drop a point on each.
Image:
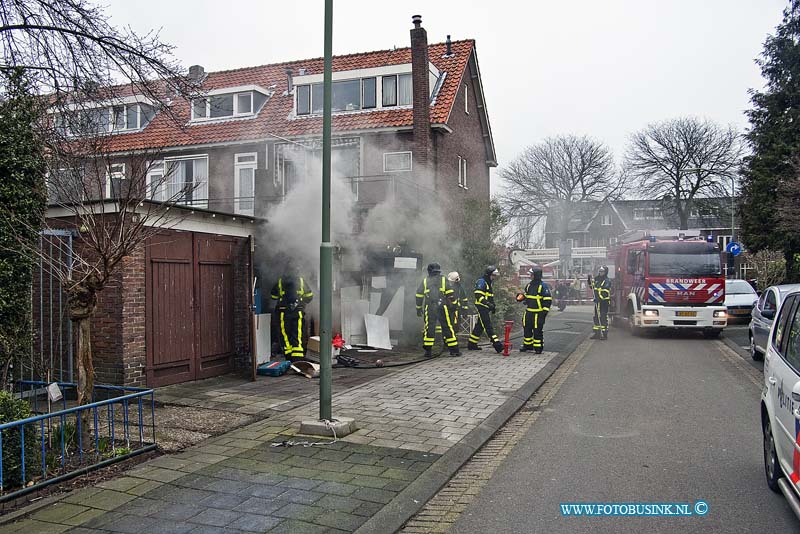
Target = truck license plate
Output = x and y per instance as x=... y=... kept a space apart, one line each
x=686 y=314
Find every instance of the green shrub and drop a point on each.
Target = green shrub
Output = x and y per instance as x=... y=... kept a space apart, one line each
x=13 y=409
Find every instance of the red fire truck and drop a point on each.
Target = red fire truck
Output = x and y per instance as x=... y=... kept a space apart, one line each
x=668 y=279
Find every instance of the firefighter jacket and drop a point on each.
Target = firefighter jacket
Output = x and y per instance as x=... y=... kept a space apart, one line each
x=461 y=299
x=291 y=293
x=537 y=296
x=434 y=290
x=601 y=287
x=484 y=296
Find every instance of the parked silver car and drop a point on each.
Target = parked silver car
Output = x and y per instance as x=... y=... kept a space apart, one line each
x=763 y=315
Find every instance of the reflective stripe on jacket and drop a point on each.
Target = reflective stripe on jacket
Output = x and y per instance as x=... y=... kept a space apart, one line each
x=303 y=296
x=483 y=293
x=601 y=289
x=537 y=296
x=424 y=296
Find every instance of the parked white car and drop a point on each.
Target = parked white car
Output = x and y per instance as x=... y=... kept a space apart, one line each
x=740 y=297
x=780 y=402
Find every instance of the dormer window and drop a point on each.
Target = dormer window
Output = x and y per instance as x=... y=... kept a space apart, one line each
x=130 y=116
x=117 y=118
x=397 y=90
x=348 y=95
x=223 y=106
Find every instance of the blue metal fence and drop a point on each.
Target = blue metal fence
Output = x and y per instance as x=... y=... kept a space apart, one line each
x=121 y=423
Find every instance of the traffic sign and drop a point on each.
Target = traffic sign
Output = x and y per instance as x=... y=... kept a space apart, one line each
x=734 y=248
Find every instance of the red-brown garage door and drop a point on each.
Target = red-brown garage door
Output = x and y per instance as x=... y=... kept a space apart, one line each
x=189 y=307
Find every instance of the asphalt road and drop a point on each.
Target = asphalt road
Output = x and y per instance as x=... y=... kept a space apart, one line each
x=653 y=419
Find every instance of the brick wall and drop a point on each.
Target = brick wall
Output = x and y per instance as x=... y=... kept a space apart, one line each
x=465 y=141
x=132 y=300
x=107 y=348
x=243 y=358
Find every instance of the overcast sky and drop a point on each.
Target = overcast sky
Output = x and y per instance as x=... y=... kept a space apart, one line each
x=601 y=68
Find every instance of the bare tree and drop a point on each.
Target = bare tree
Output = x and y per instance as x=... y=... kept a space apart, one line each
x=96 y=79
x=72 y=52
x=687 y=163
x=111 y=214
x=551 y=178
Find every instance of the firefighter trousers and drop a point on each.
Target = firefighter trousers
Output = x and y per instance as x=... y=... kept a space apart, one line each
x=484 y=324
x=434 y=314
x=601 y=317
x=291 y=325
x=533 y=326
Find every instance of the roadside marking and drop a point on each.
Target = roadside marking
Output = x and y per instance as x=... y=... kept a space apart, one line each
x=443 y=510
x=753 y=375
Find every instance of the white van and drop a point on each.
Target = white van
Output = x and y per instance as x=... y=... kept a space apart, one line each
x=780 y=402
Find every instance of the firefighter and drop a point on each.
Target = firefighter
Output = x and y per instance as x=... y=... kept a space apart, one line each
x=291 y=294
x=460 y=304
x=434 y=299
x=538 y=300
x=601 y=288
x=484 y=303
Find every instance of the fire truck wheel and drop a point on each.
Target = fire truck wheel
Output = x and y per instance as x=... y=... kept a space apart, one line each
x=632 y=328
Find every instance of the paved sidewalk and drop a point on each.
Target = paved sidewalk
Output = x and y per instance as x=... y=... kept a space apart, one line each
x=239 y=482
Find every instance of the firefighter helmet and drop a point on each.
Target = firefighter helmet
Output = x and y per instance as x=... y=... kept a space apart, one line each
x=491 y=270
x=602 y=271
x=434 y=269
x=454 y=277
x=534 y=270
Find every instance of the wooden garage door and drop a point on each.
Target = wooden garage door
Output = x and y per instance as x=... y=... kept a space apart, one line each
x=189 y=307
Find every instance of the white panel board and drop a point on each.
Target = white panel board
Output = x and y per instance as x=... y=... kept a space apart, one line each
x=350 y=293
x=263 y=341
x=377 y=331
x=394 y=312
x=405 y=263
x=354 y=330
x=374 y=302
x=379 y=282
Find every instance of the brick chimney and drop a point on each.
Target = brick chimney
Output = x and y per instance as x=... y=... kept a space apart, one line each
x=421 y=101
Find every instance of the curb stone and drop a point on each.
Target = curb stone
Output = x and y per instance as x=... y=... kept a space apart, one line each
x=411 y=500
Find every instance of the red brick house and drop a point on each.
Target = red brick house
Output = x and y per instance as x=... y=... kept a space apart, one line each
x=409 y=124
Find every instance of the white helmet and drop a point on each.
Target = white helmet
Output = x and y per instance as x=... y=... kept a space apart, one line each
x=454 y=277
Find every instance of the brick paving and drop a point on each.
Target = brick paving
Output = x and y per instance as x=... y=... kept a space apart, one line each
x=240 y=482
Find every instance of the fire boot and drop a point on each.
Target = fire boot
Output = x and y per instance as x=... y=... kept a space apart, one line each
x=596 y=335
x=537 y=350
x=498 y=346
x=525 y=348
x=473 y=346
x=604 y=335
x=455 y=352
x=427 y=352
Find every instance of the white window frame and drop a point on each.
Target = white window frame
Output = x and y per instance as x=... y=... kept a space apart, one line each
x=236 y=112
x=126 y=126
x=113 y=174
x=237 y=166
x=410 y=161
x=155 y=168
x=175 y=159
x=723 y=240
x=604 y=218
x=462 y=172
x=466 y=99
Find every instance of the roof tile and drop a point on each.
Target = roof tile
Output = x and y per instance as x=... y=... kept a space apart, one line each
x=276 y=117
